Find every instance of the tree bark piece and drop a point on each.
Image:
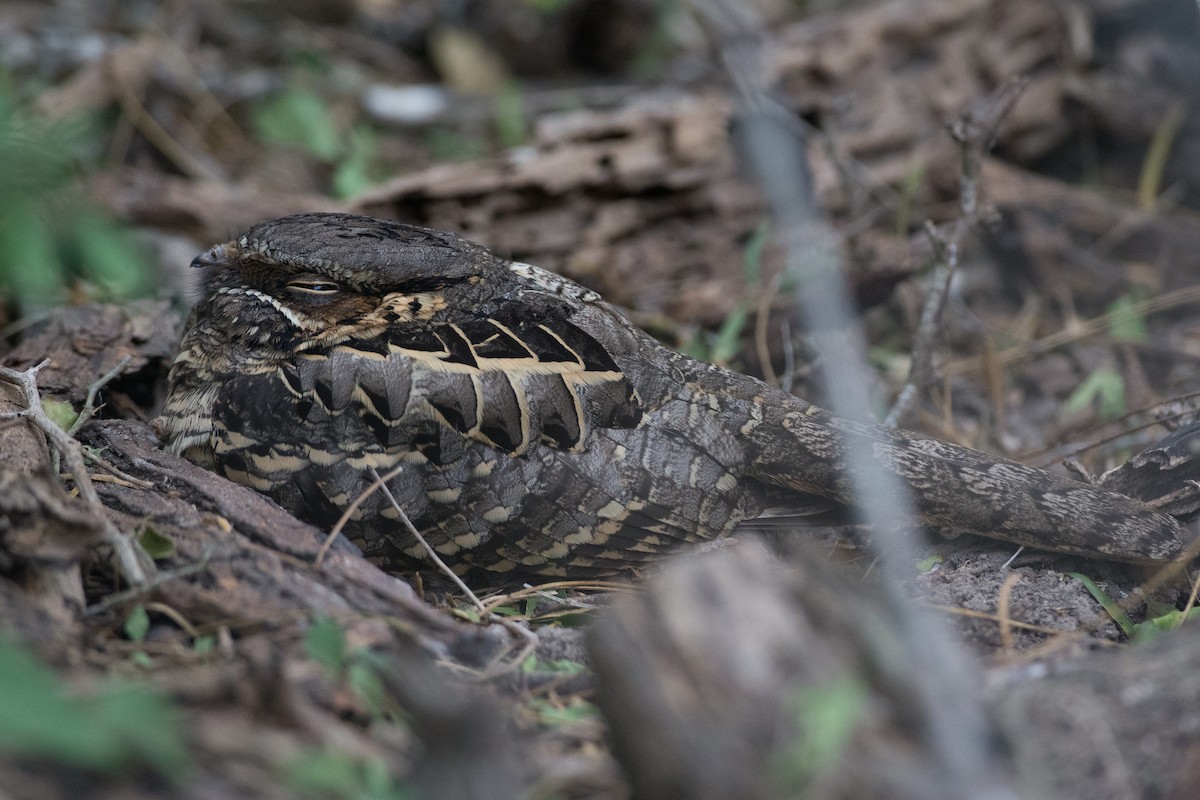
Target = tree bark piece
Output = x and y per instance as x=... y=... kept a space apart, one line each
x=705 y=677
x=259 y=556
x=717 y=678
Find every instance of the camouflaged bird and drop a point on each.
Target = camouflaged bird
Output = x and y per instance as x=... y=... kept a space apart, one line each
x=530 y=428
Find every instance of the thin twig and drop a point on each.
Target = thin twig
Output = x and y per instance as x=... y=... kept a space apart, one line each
x=175 y=616
x=1191 y=602
x=567 y=601
x=534 y=591
x=89 y=404
x=89 y=410
x=336 y=530
x=115 y=472
x=155 y=133
x=380 y=484
x=24 y=322
x=501 y=663
x=974 y=131
x=113 y=479
x=161 y=577
x=766 y=297
x=125 y=551
x=921 y=369
x=1055 y=454
x=429 y=551
x=1027 y=351
x=789 y=356
x=1004 y=609
x=1013 y=557
x=990 y=617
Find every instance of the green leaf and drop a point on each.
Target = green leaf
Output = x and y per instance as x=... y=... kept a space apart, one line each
x=564 y=665
x=340 y=775
x=552 y=715
x=1104 y=384
x=298 y=116
x=147 y=726
x=470 y=614
x=110 y=256
x=1111 y=608
x=137 y=624
x=1141 y=631
x=367 y=686
x=927 y=564
x=1126 y=324
x=510 y=115
x=353 y=173
x=910 y=191
x=158 y=546
x=326 y=774
x=827 y=717
x=60 y=412
x=122 y=724
x=49 y=230
x=729 y=338
x=1167 y=621
x=507 y=611
x=753 y=252
x=326 y=644
x=573 y=620
x=449 y=144
x=37 y=720
x=29 y=265
x=203 y=645
x=311 y=61
x=35 y=158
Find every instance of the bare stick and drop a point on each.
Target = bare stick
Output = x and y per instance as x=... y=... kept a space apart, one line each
x=1004 y=608
x=1060 y=453
x=164 y=576
x=973 y=131
x=115 y=472
x=380 y=484
x=89 y=410
x=336 y=530
x=1028 y=351
x=123 y=549
x=89 y=404
x=954 y=726
x=154 y=132
x=429 y=551
x=501 y=663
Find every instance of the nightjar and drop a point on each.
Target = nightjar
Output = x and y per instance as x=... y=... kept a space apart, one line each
x=529 y=429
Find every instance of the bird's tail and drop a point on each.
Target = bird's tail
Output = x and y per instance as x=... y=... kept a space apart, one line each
x=796 y=446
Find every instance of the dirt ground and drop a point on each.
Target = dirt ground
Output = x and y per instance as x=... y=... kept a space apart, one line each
x=1049 y=153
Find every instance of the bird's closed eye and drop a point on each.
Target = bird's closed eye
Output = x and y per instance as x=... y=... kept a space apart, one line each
x=316 y=286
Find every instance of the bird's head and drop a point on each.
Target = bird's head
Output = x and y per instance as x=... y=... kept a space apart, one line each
x=309 y=280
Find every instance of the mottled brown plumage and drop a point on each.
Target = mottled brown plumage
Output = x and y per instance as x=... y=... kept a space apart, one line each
x=536 y=431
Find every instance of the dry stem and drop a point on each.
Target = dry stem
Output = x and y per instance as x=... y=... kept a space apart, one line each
x=973 y=131
x=127 y=554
